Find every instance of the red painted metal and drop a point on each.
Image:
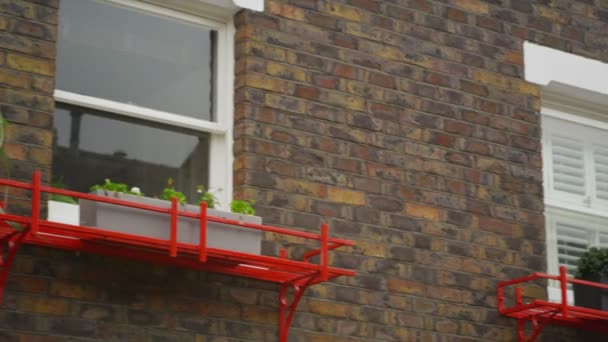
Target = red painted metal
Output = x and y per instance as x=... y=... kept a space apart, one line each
x=287 y=310
x=541 y=312
x=324 y=252
x=202 y=229
x=35 y=203
x=173 y=238
x=288 y=273
x=10 y=243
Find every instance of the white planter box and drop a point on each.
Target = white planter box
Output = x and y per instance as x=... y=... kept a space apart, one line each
x=156 y=225
x=63 y=213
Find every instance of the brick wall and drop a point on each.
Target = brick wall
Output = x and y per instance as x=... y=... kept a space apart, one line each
x=28 y=32
x=405 y=124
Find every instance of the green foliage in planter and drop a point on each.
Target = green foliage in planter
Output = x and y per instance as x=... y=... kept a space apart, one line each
x=108 y=185
x=207 y=197
x=61 y=198
x=170 y=192
x=242 y=207
x=594 y=262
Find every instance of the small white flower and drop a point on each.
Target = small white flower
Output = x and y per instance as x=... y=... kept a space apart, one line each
x=135 y=190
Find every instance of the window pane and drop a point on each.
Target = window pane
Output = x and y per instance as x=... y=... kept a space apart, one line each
x=568 y=165
x=572 y=242
x=600 y=159
x=121 y=54
x=92 y=146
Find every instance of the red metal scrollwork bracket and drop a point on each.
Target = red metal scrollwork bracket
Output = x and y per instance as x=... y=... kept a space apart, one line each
x=537 y=327
x=287 y=310
x=9 y=244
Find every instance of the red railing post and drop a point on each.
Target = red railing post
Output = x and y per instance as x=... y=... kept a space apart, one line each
x=202 y=252
x=35 y=202
x=324 y=252
x=173 y=239
x=563 y=282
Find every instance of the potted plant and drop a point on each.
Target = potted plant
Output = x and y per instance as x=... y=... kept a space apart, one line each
x=61 y=208
x=156 y=225
x=592 y=266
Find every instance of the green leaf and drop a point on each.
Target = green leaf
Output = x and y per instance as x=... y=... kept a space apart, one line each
x=108 y=185
x=593 y=263
x=169 y=192
x=242 y=207
x=207 y=197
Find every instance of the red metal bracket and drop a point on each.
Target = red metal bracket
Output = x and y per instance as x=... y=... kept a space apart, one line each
x=542 y=312
x=537 y=326
x=293 y=276
x=287 y=309
x=9 y=244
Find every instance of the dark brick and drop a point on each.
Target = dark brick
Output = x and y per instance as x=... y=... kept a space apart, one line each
x=456 y=14
x=73 y=327
x=522 y=5
x=403 y=253
x=385 y=204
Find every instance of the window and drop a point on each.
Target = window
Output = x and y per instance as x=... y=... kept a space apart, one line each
x=144 y=93
x=575 y=152
x=575 y=159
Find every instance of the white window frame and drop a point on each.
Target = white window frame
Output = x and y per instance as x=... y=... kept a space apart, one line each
x=573 y=89
x=557 y=204
x=221 y=156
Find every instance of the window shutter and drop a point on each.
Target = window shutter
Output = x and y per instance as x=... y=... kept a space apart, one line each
x=572 y=241
x=568 y=159
x=600 y=159
x=603 y=240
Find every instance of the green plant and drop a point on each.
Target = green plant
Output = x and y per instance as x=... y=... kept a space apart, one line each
x=108 y=185
x=207 y=196
x=242 y=207
x=61 y=198
x=593 y=263
x=170 y=192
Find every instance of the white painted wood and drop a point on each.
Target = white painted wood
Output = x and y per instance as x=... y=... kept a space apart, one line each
x=555 y=295
x=544 y=65
x=592 y=225
x=575 y=158
x=576 y=119
x=220 y=152
x=256 y=5
x=221 y=10
x=147 y=6
x=575 y=96
x=138 y=112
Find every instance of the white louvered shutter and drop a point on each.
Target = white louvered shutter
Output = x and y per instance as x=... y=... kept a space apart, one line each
x=600 y=168
x=568 y=169
x=575 y=162
x=603 y=240
x=572 y=241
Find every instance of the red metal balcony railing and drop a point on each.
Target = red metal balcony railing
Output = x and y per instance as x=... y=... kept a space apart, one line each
x=288 y=273
x=542 y=312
